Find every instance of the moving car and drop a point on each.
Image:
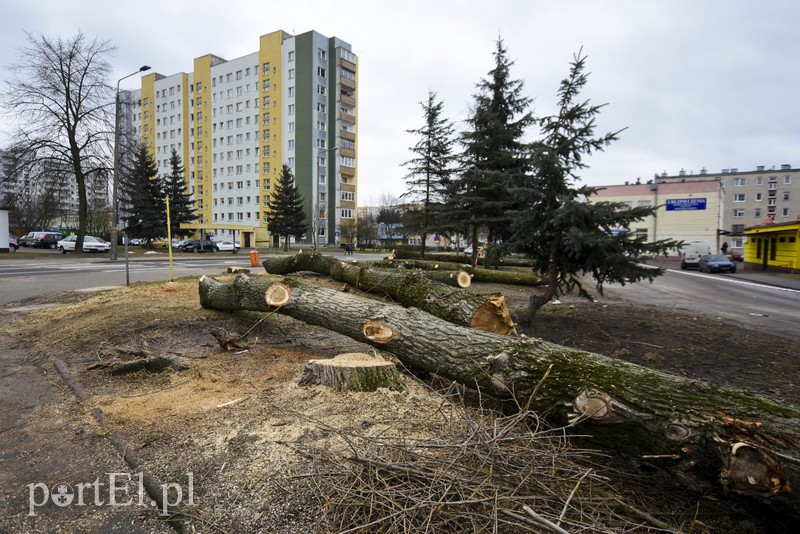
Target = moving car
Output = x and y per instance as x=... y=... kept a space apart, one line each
x=90 y=244
x=200 y=245
x=716 y=263
x=227 y=246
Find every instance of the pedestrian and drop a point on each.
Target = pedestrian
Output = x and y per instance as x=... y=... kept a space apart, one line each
x=725 y=247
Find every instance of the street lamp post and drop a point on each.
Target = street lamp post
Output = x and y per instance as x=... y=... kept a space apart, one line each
x=315 y=204
x=115 y=185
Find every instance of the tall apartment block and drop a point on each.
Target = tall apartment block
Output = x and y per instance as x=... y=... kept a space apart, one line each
x=236 y=122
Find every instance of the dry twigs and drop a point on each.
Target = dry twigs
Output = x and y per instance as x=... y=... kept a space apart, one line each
x=463 y=470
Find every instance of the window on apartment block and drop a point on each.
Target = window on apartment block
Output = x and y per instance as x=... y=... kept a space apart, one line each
x=347 y=214
x=322 y=72
x=772 y=186
x=291 y=56
x=786 y=195
x=321 y=90
x=347 y=161
x=291 y=162
x=291 y=109
x=321 y=126
x=322 y=108
x=290 y=126
x=291 y=74
x=738 y=213
x=322 y=178
x=759 y=197
x=739 y=197
x=322 y=54
x=787 y=180
x=784 y=212
x=757 y=213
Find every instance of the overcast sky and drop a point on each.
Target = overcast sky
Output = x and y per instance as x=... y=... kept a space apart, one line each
x=697 y=83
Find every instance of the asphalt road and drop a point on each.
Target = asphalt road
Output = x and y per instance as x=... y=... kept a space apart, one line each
x=27 y=274
x=729 y=297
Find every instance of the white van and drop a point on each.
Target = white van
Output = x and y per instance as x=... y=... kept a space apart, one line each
x=692 y=252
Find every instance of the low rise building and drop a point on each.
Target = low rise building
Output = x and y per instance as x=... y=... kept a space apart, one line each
x=685 y=211
x=773 y=246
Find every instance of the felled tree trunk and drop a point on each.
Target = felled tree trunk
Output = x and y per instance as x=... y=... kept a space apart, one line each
x=478 y=275
x=411 y=288
x=706 y=435
x=454 y=258
x=352 y=371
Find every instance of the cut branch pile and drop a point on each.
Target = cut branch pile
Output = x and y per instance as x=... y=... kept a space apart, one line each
x=479 y=471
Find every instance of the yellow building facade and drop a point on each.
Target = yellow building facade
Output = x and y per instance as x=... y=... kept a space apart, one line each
x=773 y=246
x=236 y=122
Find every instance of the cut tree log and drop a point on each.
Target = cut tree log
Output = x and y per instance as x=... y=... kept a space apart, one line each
x=707 y=436
x=352 y=371
x=410 y=288
x=455 y=258
x=528 y=278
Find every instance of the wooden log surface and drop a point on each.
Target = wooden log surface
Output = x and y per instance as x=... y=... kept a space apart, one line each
x=707 y=436
x=410 y=288
x=523 y=278
x=352 y=371
x=455 y=258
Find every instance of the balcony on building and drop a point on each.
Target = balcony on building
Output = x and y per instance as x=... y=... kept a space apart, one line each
x=346 y=117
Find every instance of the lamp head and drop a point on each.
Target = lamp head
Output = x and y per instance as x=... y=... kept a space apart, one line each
x=144 y=68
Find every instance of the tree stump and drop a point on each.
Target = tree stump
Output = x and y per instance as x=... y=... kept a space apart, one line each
x=352 y=371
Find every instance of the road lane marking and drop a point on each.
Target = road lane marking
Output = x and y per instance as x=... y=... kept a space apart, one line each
x=734 y=281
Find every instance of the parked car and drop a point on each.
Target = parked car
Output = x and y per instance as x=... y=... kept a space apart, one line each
x=716 y=263
x=45 y=240
x=13 y=242
x=227 y=246
x=90 y=244
x=692 y=252
x=737 y=255
x=23 y=241
x=200 y=245
x=179 y=244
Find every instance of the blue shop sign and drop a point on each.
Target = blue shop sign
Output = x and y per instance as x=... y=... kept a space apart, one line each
x=686 y=204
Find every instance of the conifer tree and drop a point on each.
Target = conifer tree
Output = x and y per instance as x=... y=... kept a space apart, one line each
x=181 y=206
x=286 y=215
x=143 y=195
x=495 y=156
x=555 y=225
x=430 y=170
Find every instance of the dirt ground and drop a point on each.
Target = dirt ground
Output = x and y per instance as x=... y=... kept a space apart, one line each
x=237 y=428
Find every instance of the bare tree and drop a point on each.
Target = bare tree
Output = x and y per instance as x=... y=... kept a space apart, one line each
x=58 y=96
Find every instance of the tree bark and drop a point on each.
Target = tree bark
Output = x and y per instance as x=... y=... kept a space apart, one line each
x=410 y=288
x=352 y=371
x=455 y=258
x=705 y=434
x=528 y=278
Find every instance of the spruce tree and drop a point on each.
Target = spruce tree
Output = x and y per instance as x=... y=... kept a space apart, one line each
x=286 y=215
x=143 y=195
x=430 y=170
x=565 y=235
x=495 y=156
x=181 y=206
